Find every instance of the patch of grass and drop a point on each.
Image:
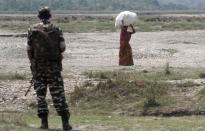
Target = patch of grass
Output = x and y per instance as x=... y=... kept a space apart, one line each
x=33 y=105
x=202 y=93
x=187 y=84
x=16 y=119
x=170 y=51
x=139 y=92
x=88 y=84
x=202 y=75
x=158 y=75
x=13 y=76
x=115 y=95
x=98 y=75
x=158 y=23
x=80 y=24
x=153 y=92
x=93 y=122
x=167 y=69
x=15 y=25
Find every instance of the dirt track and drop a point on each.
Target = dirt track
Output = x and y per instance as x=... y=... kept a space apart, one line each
x=99 y=51
x=180 y=49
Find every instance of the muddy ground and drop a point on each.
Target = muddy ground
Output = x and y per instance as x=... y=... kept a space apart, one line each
x=97 y=51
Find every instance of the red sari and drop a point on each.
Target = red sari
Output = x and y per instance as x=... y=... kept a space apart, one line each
x=125 y=54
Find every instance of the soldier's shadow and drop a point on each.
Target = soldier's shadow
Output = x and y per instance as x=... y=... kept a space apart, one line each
x=54 y=129
x=61 y=130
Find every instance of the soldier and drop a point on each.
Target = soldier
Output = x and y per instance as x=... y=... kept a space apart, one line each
x=45 y=47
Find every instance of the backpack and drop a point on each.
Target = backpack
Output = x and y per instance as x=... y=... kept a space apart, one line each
x=46 y=43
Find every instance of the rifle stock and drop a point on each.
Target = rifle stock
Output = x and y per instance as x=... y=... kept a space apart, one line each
x=29 y=88
x=31 y=81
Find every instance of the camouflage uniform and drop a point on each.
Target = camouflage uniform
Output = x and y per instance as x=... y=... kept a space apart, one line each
x=45 y=44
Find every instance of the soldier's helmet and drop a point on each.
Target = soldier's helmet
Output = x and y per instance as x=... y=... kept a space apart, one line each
x=44 y=13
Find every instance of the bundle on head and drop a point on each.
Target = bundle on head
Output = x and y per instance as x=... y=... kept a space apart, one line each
x=127 y=17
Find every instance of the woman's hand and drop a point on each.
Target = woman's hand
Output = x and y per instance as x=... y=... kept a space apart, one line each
x=133 y=29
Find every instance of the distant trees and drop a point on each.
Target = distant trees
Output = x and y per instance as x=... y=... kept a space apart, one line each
x=183 y=4
x=172 y=6
x=31 y=5
x=105 y=5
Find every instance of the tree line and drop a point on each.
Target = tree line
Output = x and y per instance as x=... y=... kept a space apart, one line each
x=109 y=5
x=98 y=5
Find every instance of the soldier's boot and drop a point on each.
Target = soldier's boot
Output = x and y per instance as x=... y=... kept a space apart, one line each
x=65 y=122
x=44 y=122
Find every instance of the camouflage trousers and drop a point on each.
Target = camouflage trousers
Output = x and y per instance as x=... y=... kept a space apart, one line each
x=54 y=82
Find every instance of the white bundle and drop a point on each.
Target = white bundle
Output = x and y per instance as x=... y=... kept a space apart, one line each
x=126 y=16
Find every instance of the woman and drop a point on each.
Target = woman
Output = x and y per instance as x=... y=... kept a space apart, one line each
x=125 y=53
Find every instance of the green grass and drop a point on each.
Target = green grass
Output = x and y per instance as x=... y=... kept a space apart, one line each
x=15 y=25
x=158 y=75
x=116 y=100
x=122 y=97
x=169 y=26
x=81 y=26
x=93 y=122
x=106 y=24
x=140 y=93
x=13 y=76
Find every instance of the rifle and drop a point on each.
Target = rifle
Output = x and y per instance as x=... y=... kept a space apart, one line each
x=31 y=82
x=29 y=88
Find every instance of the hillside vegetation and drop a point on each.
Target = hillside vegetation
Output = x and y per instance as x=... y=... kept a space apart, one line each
x=33 y=5
x=101 y=5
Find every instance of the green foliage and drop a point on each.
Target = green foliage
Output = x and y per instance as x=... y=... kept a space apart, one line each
x=101 y=5
x=33 y=5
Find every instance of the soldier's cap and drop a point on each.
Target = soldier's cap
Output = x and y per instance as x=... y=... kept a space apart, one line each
x=44 y=13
